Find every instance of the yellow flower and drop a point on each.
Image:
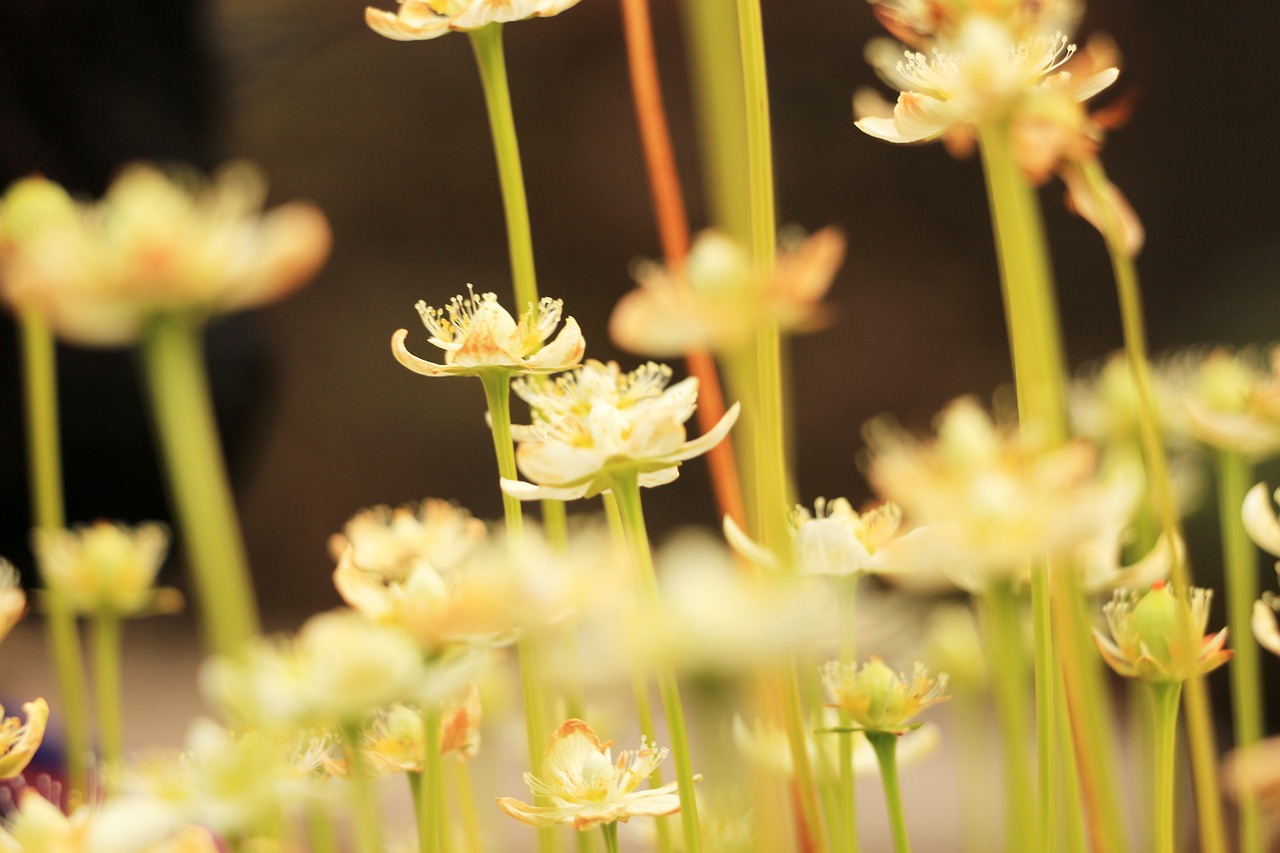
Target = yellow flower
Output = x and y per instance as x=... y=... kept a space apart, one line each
x=105 y=567
x=878 y=699
x=19 y=741
x=391 y=543
x=158 y=243
x=717 y=301
x=586 y=786
x=1160 y=636
x=13 y=601
x=477 y=334
x=418 y=20
x=575 y=455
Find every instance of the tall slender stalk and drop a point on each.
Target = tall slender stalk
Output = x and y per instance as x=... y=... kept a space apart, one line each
x=429 y=803
x=846 y=592
x=364 y=801
x=106 y=678
x=44 y=474
x=173 y=361
x=886 y=747
x=1164 y=729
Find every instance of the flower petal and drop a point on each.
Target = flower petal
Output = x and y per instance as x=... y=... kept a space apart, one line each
x=411 y=361
x=1260 y=519
x=1265 y=628
x=705 y=442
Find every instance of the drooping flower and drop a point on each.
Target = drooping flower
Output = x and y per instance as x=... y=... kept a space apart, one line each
x=477 y=334
x=615 y=431
x=587 y=786
x=19 y=741
x=155 y=243
x=106 y=567
x=717 y=300
x=418 y=20
x=877 y=698
x=1160 y=635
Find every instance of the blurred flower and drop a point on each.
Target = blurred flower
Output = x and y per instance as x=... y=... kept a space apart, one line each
x=767 y=746
x=395 y=742
x=106 y=567
x=1253 y=773
x=576 y=455
x=156 y=243
x=477 y=334
x=391 y=543
x=418 y=20
x=19 y=741
x=13 y=601
x=121 y=825
x=1232 y=400
x=920 y=22
x=953 y=646
x=586 y=786
x=717 y=300
x=987 y=503
x=1104 y=404
x=1160 y=636
x=878 y=699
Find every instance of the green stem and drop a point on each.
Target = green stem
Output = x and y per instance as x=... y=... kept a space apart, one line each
x=1235 y=475
x=847 y=591
x=417 y=792
x=44 y=473
x=321 y=837
x=1047 y=682
x=1008 y=669
x=555 y=525
x=486 y=42
x=1164 y=728
x=430 y=800
x=467 y=808
x=497 y=395
x=173 y=358
x=364 y=802
x=626 y=490
x=106 y=682
x=610 y=831
x=886 y=747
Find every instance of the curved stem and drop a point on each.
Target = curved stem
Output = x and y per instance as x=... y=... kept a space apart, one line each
x=626 y=490
x=173 y=357
x=106 y=678
x=886 y=747
x=486 y=42
x=1164 y=728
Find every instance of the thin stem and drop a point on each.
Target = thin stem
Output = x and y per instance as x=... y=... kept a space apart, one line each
x=610 y=831
x=486 y=42
x=364 y=803
x=1047 y=682
x=417 y=792
x=321 y=836
x=626 y=490
x=847 y=591
x=555 y=524
x=44 y=474
x=106 y=683
x=467 y=808
x=1008 y=671
x=431 y=799
x=1235 y=475
x=173 y=357
x=1164 y=728
x=886 y=747
x=497 y=395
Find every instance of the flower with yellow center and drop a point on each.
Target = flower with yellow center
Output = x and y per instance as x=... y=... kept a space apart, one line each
x=391 y=543
x=1160 y=636
x=106 y=567
x=878 y=699
x=717 y=301
x=157 y=242
x=418 y=20
x=609 y=433
x=19 y=741
x=587 y=786
x=477 y=335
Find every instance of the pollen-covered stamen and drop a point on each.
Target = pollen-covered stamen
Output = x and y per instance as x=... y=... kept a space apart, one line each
x=539 y=323
x=647 y=380
x=1045 y=54
x=449 y=324
x=931 y=76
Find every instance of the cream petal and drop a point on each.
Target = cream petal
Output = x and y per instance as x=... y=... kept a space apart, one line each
x=411 y=361
x=395 y=27
x=536 y=816
x=1095 y=83
x=654 y=803
x=703 y=443
x=1260 y=519
x=1265 y=628
x=655 y=437
x=650 y=479
x=522 y=491
x=554 y=463
x=291 y=242
x=921 y=117
x=568 y=750
x=746 y=546
x=563 y=353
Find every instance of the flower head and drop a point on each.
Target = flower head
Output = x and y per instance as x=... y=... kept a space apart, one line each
x=477 y=334
x=155 y=243
x=587 y=786
x=418 y=20
x=1232 y=400
x=877 y=698
x=19 y=741
x=106 y=567
x=628 y=424
x=1160 y=636
x=391 y=543
x=131 y=824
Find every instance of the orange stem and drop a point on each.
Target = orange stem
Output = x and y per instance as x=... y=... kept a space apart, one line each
x=673 y=231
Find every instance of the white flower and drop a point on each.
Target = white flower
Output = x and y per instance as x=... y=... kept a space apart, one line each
x=578 y=455
x=391 y=543
x=586 y=786
x=104 y=566
x=477 y=334
x=418 y=20
x=1232 y=400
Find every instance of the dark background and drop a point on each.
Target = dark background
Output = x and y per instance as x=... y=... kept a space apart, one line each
x=391 y=140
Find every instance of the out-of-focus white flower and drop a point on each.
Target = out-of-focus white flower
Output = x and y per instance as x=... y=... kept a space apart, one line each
x=418 y=20
x=396 y=740
x=391 y=543
x=988 y=505
x=477 y=335
x=19 y=741
x=105 y=567
x=920 y=22
x=156 y=243
x=131 y=824
x=1232 y=400
x=717 y=300
x=586 y=786
x=1104 y=404
x=1160 y=635
x=578 y=455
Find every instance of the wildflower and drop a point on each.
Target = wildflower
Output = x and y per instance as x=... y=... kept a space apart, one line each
x=391 y=543
x=477 y=334
x=1232 y=400
x=19 y=741
x=13 y=601
x=577 y=456
x=717 y=300
x=586 y=786
x=157 y=243
x=418 y=20
x=878 y=699
x=105 y=567
x=395 y=742
x=1159 y=636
